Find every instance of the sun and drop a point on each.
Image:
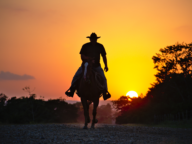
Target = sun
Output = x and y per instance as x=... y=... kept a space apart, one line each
x=132 y=94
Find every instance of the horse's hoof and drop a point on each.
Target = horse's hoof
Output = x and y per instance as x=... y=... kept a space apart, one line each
x=92 y=127
x=85 y=127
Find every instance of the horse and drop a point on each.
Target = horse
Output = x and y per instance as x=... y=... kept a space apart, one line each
x=90 y=90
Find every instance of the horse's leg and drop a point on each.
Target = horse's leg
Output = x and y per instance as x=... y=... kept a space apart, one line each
x=86 y=113
x=88 y=118
x=94 y=121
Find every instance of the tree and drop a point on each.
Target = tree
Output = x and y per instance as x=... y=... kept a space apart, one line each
x=122 y=104
x=132 y=110
x=173 y=59
x=3 y=99
x=30 y=110
x=171 y=94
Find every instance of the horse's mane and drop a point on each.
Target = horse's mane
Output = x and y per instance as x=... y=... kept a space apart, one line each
x=85 y=69
x=88 y=85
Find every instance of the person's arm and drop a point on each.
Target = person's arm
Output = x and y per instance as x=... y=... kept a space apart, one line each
x=105 y=62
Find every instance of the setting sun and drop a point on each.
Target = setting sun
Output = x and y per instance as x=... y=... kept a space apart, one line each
x=132 y=94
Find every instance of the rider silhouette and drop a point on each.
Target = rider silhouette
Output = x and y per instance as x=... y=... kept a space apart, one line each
x=91 y=51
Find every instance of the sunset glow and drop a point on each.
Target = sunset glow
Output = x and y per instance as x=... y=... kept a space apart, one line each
x=132 y=94
x=43 y=38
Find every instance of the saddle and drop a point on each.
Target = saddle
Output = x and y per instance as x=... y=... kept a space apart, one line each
x=100 y=83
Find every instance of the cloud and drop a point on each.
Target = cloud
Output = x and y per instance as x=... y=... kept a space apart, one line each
x=12 y=76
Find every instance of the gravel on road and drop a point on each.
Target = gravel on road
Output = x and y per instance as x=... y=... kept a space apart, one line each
x=102 y=134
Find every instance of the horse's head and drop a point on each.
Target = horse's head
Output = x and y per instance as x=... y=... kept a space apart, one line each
x=87 y=70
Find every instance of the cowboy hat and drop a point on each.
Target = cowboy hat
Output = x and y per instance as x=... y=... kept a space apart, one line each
x=93 y=36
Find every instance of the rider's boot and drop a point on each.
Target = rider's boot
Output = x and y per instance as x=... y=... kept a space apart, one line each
x=70 y=92
x=106 y=95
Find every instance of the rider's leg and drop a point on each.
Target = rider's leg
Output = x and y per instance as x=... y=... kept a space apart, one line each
x=106 y=94
x=71 y=90
x=76 y=77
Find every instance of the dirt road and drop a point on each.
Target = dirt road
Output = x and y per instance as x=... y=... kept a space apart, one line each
x=103 y=134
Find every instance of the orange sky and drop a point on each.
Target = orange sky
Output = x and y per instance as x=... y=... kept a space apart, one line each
x=42 y=38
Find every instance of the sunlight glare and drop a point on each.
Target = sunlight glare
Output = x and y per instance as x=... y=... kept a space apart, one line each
x=132 y=94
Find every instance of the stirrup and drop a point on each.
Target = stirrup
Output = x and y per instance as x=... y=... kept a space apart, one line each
x=71 y=93
x=106 y=95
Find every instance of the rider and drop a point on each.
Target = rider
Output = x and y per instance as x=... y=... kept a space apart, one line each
x=91 y=51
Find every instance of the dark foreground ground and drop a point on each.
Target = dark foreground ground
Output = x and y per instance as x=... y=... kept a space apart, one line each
x=103 y=134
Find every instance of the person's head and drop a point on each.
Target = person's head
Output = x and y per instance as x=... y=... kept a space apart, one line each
x=93 y=38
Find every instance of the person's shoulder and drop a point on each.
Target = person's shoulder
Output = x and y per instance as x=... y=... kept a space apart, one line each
x=86 y=44
x=100 y=45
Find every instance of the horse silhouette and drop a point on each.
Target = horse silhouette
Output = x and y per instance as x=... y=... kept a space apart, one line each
x=89 y=90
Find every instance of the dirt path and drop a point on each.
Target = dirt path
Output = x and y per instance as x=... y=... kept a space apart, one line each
x=103 y=134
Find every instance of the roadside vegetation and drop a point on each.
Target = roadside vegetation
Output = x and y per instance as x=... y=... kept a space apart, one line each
x=26 y=110
x=30 y=110
x=169 y=99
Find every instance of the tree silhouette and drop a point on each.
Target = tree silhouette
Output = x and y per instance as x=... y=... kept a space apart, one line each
x=3 y=99
x=122 y=104
x=31 y=110
x=170 y=96
x=173 y=59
